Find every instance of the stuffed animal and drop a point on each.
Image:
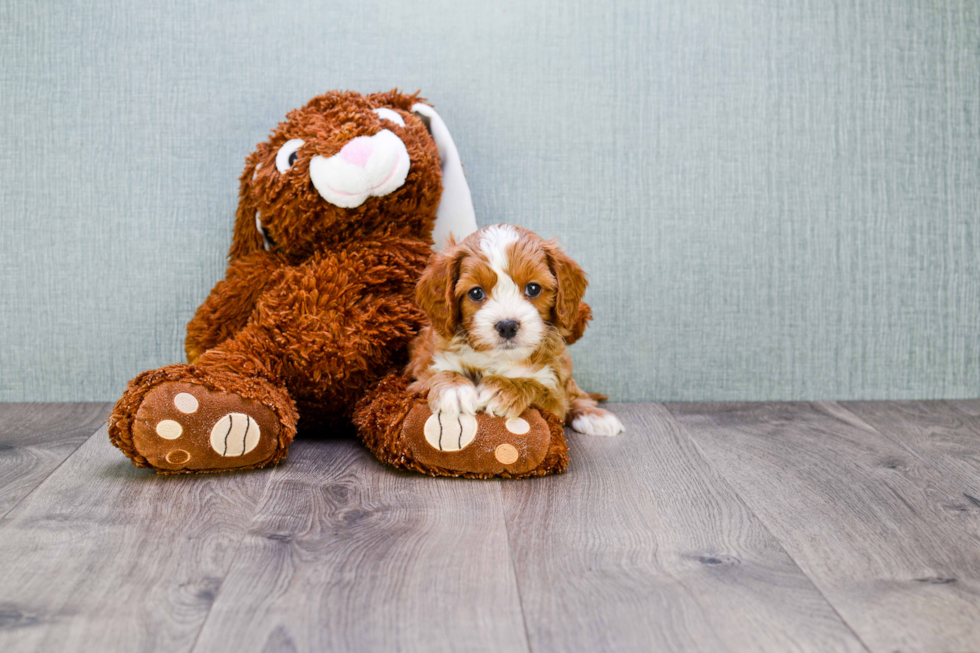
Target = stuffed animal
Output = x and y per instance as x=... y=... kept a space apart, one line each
x=333 y=228
x=338 y=212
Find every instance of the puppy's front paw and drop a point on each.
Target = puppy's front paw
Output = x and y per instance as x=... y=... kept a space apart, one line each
x=498 y=401
x=597 y=422
x=454 y=400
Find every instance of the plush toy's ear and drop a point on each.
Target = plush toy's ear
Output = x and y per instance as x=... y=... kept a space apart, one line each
x=436 y=290
x=247 y=236
x=455 y=214
x=571 y=281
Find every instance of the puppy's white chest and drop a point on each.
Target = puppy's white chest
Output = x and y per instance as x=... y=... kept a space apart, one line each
x=475 y=365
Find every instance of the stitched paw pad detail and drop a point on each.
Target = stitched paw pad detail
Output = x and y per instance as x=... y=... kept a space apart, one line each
x=235 y=434
x=185 y=427
x=450 y=432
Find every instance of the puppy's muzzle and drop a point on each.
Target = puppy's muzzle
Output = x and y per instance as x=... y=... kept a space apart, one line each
x=507 y=329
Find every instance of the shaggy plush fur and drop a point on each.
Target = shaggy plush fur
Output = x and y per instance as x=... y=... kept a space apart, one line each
x=319 y=304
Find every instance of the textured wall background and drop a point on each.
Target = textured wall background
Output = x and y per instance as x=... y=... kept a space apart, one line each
x=775 y=200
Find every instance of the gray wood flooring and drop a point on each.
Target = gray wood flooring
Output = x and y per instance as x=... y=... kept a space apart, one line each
x=706 y=527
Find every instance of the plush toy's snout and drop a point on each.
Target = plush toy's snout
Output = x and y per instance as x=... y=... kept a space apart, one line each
x=367 y=166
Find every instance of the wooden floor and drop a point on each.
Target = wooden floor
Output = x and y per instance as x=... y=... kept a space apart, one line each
x=706 y=527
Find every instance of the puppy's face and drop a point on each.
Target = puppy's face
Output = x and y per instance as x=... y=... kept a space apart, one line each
x=506 y=292
x=502 y=289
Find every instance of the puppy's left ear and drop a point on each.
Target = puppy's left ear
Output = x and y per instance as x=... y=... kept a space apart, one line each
x=571 y=282
x=455 y=214
x=436 y=290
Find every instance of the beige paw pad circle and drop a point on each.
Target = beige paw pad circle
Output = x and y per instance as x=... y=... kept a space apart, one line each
x=186 y=403
x=517 y=426
x=235 y=434
x=169 y=429
x=447 y=433
x=178 y=457
x=506 y=454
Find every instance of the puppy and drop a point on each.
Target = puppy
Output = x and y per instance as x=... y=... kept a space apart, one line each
x=501 y=304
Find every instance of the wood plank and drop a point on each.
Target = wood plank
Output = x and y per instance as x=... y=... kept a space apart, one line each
x=969 y=407
x=36 y=438
x=346 y=555
x=861 y=515
x=103 y=556
x=938 y=433
x=642 y=546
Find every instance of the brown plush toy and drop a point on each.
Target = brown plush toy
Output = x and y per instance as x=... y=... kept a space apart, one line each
x=337 y=215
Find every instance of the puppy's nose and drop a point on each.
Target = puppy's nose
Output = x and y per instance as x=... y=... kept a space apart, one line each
x=507 y=328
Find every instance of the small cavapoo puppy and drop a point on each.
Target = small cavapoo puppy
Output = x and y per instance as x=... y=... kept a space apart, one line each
x=501 y=303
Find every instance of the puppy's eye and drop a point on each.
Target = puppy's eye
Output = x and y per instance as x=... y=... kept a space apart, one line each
x=388 y=114
x=476 y=294
x=532 y=290
x=287 y=154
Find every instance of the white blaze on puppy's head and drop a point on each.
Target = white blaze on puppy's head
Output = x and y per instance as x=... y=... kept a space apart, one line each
x=507 y=321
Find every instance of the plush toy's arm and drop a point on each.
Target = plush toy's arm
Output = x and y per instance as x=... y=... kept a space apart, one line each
x=227 y=309
x=340 y=320
x=357 y=304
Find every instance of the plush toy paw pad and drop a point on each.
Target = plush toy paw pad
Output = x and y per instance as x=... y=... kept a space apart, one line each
x=169 y=429
x=506 y=454
x=450 y=432
x=480 y=444
x=178 y=457
x=186 y=403
x=235 y=434
x=181 y=426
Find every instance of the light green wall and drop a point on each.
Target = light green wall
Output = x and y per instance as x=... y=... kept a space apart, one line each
x=775 y=200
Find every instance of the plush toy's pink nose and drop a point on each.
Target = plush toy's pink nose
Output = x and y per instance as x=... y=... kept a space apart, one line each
x=357 y=152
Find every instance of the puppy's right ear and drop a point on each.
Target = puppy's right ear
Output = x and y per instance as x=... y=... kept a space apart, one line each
x=436 y=290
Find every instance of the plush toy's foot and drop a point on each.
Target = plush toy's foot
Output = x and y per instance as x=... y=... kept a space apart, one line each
x=401 y=430
x=180 y=420
x=477 y=444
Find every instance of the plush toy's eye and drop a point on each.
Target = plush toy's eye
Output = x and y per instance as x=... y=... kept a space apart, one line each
x=287 y=154
x=532 y=290
x=476 y=294
x=388 y=114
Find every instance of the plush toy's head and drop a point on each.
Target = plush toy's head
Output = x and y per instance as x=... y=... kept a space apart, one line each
x=347 y=165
